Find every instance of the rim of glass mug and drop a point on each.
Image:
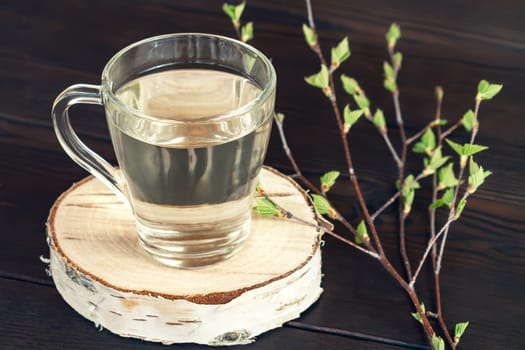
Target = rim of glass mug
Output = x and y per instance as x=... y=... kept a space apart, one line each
x=267 y=90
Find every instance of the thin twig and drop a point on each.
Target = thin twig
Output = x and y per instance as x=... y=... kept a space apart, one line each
x=452 y=214
x=385 y=205
x=432 y=214
x=427 y=327
x=451 y=129
x=310 y=14
x=333 y=101
x=237 y=27
x=428 y=249
x=419 y=133
x=456 y=192
x=392 y=149
x=431 y=244
x=394 y=197
x=401 y=166
x=349 y=242
x=402 y=213
x=432 y=209
x=288 y=214
x=429 y=331
x=439 y=311
x=397 y=108
x=402 y=243
x=298 y=175
x=385 y=136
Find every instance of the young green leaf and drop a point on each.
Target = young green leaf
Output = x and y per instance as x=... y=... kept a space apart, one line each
x=229 y=10
x=437 y=122
x=419 y=147
x=309 y=35
x=362 y=233
x=234 y=11
x=266 y=207
x=438 y=203
x=483 y=86
x=469 y=120
x=460 y=207
x=328 y=180
x=398 y=59
x=322 y=205
x=280 y=117
x=408 y=192
x=417 y=316
x=446 y=177
x=467 y=149
x=247 y=32
x=393 y=35
x=390 y=85
x=426 y=144
x=477 y=176
x=320 y=79
x=411 y=183
x=446 y=199
x=350 y=85
x=340 y=53
x=429 y=140
x=455 y=146
x=239 y=9
x=487 y=91
x=492 y=91
x=361 y=101
x=438 y=343
x=435 y=161
x=470 y=150
x=259 y=189
x=351 y=117
x=459 y=330
x=388 y=71
x=408 y=200
x=379 y=120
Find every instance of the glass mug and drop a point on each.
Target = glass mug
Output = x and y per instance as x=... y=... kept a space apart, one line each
x=189 y=117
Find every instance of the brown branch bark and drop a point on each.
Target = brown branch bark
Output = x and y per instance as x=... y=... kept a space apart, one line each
x=432 y=210
x=429 y=331
x=288 y=214
x=351 y=172
x=451 y=129
x=456 y=192
x=452 y=213
x=401 y=166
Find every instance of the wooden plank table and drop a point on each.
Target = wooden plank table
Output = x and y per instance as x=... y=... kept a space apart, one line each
x=48 y=45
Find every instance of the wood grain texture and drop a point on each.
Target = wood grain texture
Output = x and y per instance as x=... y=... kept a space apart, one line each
x=81 y=237
x=45 y=46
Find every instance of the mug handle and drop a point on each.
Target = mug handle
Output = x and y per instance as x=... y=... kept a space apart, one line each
x=71 y=143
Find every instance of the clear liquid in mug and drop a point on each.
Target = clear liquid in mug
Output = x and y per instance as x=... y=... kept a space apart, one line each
x=190 y=183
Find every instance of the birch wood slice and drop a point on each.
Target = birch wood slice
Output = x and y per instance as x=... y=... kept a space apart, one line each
x=101 y=271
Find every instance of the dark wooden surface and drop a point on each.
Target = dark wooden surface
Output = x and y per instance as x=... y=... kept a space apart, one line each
x=48 y=45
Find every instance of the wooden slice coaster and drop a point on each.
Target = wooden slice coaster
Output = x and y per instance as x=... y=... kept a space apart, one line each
x=101 y=271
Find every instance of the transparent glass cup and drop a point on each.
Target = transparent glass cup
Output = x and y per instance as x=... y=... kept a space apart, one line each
x=189 y=117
